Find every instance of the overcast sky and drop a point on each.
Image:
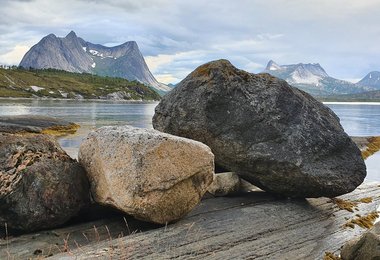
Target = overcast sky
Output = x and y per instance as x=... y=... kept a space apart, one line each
x=177 y=36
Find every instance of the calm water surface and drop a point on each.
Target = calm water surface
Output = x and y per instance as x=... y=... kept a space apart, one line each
x=361 y=119
x=88 y=114
x=357 y=119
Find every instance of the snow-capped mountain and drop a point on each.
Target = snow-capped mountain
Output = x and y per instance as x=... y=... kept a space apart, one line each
x=371 y=80
x=74 y=54
x=313 y=79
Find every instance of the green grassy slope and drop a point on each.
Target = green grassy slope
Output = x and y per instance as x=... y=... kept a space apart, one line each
x=61 y=84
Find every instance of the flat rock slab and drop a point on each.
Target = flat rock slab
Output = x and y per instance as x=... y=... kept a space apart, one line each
x=254 y=225
x=51 y=242
x=35 y=124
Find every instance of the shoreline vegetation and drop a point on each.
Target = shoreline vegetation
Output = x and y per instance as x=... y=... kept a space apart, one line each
x=51 y=83
x=80 y=100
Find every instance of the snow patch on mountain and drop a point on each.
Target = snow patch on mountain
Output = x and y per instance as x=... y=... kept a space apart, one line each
x=312 y=78
x=372 y=79
x=305 y=78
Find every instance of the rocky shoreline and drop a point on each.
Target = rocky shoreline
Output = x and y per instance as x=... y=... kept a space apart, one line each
x=251 y=225
x=36 y=124
x=219 y=134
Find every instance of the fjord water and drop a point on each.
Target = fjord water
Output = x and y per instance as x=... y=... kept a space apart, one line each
x=358 y=119
x=361 y=119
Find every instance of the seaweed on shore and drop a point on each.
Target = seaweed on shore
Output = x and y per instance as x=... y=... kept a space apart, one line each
x=350 y=205
x=331 y=256
x=61 y=130
x=372 y=147
x=366 y=221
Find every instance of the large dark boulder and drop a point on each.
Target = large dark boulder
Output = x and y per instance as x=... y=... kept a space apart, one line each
x=275 y=136
x=40 y=185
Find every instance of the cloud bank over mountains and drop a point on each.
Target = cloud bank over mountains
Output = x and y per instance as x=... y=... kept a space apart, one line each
x=177 y=36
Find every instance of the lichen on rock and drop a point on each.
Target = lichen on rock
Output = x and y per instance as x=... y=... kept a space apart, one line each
x=40 y=185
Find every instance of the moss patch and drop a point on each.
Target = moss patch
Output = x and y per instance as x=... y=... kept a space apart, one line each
x=350 y=205
x=366 y=221
x=331 y=256
x=372 y=147
x=345 y=204
x=61 y=130
x=366 y=200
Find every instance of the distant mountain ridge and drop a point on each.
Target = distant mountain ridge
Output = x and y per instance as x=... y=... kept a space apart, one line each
x=313 y=79
x=74 y=54
x=372 y=79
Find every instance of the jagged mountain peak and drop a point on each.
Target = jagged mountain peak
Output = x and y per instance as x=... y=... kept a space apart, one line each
x=71 y=34
x=51 y=36
x=74 y=54
x=272 y=66
x=372 y=79
x=312 y=78
x=301 y=70
x=131 y=44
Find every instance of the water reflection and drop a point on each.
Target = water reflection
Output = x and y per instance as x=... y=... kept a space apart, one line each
x=88 y=114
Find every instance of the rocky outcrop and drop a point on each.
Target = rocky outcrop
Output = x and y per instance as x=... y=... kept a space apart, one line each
x=363 y=248
x=225 y=183
x=40 y=185
x=119 y=95
x=36 y=124
x=275 y=136
x=153 y=176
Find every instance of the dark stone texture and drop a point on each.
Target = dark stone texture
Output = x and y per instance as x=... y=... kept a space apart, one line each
x=40 y=185
x=275 y=136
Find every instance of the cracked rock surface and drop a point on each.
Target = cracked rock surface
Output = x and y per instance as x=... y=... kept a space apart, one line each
x=40 y=185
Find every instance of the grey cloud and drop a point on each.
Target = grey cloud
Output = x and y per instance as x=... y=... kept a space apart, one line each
x=342 y=37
